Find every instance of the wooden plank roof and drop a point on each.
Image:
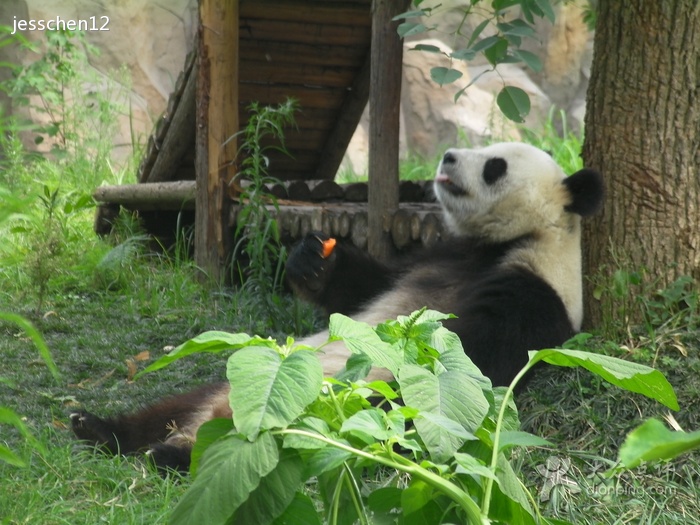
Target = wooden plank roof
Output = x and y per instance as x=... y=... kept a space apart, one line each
x=316 y=51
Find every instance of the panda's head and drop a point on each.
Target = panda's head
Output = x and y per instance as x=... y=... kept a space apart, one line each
x=508 y=190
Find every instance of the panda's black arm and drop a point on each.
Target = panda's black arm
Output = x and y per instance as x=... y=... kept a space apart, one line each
x=341 y=281
x=506 y=316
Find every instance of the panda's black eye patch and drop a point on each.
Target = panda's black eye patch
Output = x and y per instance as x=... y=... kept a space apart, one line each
x=494 y=169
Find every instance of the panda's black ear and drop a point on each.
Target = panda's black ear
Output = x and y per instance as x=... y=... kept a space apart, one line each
x=586 y=190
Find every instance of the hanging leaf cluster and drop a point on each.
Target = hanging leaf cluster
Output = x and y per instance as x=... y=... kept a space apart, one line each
x=501 y=46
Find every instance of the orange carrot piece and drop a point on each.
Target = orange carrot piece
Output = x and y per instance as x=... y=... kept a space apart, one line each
x=328 y=246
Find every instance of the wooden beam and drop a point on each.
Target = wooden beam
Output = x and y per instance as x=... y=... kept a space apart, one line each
x=305 y=12
x=384 y=97
x=180 y=135
x=348 y=118
x=215 y=143
x=177 y=195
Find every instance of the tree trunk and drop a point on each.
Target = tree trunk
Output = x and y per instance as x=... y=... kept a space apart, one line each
x=642 y=132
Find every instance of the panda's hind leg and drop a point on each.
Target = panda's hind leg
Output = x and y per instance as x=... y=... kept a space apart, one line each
x=165 y=431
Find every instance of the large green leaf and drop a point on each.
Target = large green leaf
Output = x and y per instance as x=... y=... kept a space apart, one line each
x=274 y=493
x=652 y=441
x=207 y=434
x=301 y=511
x=374 y=422
x=211 y=342
x=360 y=338
x=229 y=471
x=454 y=396
x=518 y=438
x=510 y=502
x=514 y=103
x=630 y=376
x=325 y=459
x=268 y=391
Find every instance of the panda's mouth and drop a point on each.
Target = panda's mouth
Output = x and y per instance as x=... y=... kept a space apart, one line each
x=448 y=185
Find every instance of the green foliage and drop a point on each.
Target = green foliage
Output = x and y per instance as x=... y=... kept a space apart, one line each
x=50 y=245
x=8 y=416
x=256 y=229
x=653 y=441
x=457 y=431
x=503 y=45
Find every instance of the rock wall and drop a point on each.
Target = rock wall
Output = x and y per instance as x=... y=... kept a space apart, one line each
x=150 y=38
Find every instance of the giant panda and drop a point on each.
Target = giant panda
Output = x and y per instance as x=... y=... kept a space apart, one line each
x=510 y=272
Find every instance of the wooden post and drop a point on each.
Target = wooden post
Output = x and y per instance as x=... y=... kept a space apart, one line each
x=384 y=97
x=217 y=122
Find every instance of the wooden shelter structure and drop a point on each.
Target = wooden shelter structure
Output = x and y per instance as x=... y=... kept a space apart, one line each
x=332 y=56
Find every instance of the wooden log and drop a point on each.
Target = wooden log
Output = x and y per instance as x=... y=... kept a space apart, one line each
x=415 y=227
x=359 y=230
x=431 y=230
x=279 y=191
x=385 y=95
x=410 y=191
x=180 y=135
x=325 y=190
x=344 y=224
x=216 y=126
x=177 y=195
x=317 y=219
x=356 y=192
x=326 y=224
x=304 y=225
x=401 y=228
x=298 y=190
x=335 y=225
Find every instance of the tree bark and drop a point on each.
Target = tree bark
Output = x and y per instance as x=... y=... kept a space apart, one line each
x=642 y=133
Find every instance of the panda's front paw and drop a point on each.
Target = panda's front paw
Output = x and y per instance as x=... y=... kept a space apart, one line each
x=311 y=260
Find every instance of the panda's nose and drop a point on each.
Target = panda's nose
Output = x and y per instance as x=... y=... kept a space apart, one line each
x=449 y=158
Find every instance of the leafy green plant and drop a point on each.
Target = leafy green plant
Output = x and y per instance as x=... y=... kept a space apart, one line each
x=49 y=232
x=291 y=425
x=256 y=229
x=503 y=45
